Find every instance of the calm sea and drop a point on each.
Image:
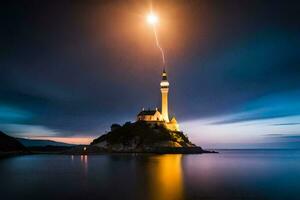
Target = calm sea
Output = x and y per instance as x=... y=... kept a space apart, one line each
x=232 y=174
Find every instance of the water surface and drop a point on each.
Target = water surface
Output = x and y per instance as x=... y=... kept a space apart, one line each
x=232 y=174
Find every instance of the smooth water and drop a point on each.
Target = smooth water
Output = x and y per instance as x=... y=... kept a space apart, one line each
x=232 y=174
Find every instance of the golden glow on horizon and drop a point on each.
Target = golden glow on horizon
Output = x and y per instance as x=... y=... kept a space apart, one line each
x=69 y=140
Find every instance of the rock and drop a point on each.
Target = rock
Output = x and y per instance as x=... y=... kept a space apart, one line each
x=140 y=137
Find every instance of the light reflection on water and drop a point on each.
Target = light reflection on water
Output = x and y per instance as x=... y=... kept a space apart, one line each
x=84 y=163
x=165 y=177
x=228 y=175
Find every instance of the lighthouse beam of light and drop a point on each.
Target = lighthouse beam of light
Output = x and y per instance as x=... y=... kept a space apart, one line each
x=153 y=20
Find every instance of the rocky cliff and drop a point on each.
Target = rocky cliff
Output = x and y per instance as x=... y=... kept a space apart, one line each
x=143 y=137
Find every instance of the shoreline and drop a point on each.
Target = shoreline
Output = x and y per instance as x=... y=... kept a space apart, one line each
x=87 y=150
x=97 y=151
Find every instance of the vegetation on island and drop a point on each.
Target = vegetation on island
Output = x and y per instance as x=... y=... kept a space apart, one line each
x=142 y=133
x=144 y=137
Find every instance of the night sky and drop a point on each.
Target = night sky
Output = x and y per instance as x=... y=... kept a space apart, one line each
x=69 y=69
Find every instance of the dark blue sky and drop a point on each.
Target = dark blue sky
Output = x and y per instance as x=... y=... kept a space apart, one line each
x=71 y=68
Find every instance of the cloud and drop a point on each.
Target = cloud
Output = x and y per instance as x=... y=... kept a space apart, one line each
x=258 y=133
x=277 y=105
x=10 y=113
x=287 y=124
x=23 y=130
x=284 y=140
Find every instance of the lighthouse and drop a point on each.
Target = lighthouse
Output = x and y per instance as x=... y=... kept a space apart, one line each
x=155 y=117
x=164 y=88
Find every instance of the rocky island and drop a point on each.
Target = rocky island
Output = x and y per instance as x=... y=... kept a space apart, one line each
x=141 y=137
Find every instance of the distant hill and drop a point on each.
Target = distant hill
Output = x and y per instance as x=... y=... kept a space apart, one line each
x=10 y=144
x=41 y=143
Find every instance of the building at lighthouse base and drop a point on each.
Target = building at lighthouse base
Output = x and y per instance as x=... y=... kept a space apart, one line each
x=154 y=117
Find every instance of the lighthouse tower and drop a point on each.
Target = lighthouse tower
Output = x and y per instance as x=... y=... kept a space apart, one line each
x=155 y=117
x=164 y=88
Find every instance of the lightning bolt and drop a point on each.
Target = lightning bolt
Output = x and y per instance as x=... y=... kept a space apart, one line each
x=158 y=45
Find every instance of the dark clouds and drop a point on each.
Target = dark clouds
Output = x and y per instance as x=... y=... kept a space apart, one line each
x=74 y=68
